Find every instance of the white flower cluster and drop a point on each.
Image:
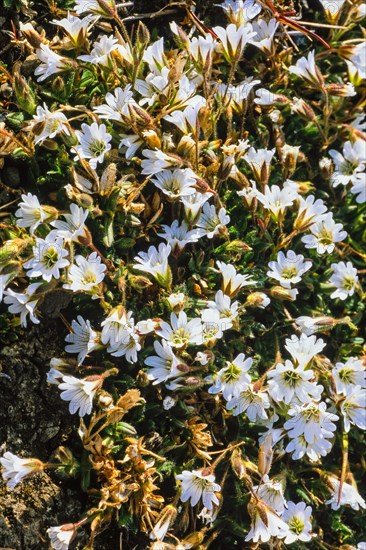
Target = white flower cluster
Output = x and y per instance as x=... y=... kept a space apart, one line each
x=157 y=124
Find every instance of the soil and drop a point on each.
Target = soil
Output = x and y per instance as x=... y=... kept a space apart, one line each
x=33 y=423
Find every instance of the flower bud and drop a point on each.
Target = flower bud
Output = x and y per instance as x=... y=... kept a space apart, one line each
x=142 y=35
x=303 y=109
x=58 y=84
x=33 y=37
x=289 y=154
x=152 y=139
x=280 y=293
x=265 y=456
x=326 y=168
x=341 y=90
x=12 y=248
x=164 y=521
x=257 y=299
x=26 y=98
x=237 y=463
x=108 y=179
x=176 y=301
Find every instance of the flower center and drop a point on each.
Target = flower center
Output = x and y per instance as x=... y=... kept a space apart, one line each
x=311 y=414
x=89 y=277
x=346 y=375
x=289 y=272
x=348 y=283
x=231 y=374
x=179 y=337
x=50 y=257
x=97 y=148
x=291 y=378
x=325 y=236
x=296 y=525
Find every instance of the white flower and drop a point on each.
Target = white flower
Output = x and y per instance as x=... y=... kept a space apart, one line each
x=87 y=274
x=82 y=340
x=177 y=183
x=302 y=349
x=349 y=164
x=232 y=379
x=193 y=204
x=211 y=223
x=51 y=62
x=324 y=233
x=54 y=376
x=128 y=346
x=60 y=537
x=213 y=326
x=349 y=496
x=187 y=120
x=351 y=373
x=306 y=68
x=232 y=281
x=168 y=403
x=74 y=227
x=49 y=257
x=241 y=11
x=80 y=393
x=195 y=485
x=200 y=48
x=101 y=52
x=181 y=332
x=265 y=34
x=353 y=408
x=154 y=56
x=115 y=326
x=153 y=86
x=49 y=123
x=260 y=163
x=289 y=383
x=130 y=144
x=288 y=269
x=93 y=6
x=332 y=8
x=163 y=365
x=299 y=447
x=4 y=281
x=344 y=278
x=228 y=311
x=311 y=210
x=359 y=188
x=265 y=524
x=233 y=40
x=265 y=97
x=254 y=403
x=117 y=104
x=156 y=161
x=75 y=27
x=31 y=213
x=15 y=468
x=277 y=200
x=271 y=492
x=297 y=516
x=93 y=143
x=25 y=304
x=311 y=420
x=237 y=96
x=178 y=236
x=155 y=262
